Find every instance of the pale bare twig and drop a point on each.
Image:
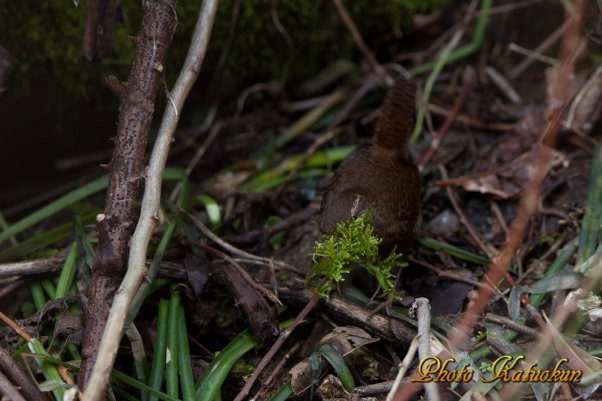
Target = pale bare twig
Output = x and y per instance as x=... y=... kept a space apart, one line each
x=30 y=267
x=511 y=324
x=231 y=248
x=403 y=368
x=542 y=47
x=503 y=85
x=423 y=316
x=109 y=344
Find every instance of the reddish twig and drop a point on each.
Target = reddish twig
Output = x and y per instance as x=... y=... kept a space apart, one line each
x=469 y=121
x=468 y=82
x=528 y=205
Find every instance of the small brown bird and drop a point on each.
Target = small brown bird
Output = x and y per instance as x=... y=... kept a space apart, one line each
x=380 y=177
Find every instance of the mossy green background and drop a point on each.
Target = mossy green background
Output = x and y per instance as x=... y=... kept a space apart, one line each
x=57 y=101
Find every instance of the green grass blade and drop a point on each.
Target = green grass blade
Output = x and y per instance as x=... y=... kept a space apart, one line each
x=184 y=359
x=208 y=388
x=454 y=251
x=158 y=366
x=285 y=391
x=321 y=158
x=115 y=374
x=48 y=369
x=212 y=210
x=461 y=52
x=171 y=359
x=64 y=201
x=67 y=273
x=335 y=359
x=85 y=243
x=592 y=219
x=49 y=288
x=42 y=240
x=37 y=293
x=170 y=174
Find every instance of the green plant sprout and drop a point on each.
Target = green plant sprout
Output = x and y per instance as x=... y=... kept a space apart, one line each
x=353 y=244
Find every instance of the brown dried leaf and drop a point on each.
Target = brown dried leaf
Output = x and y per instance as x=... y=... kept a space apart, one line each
x=488 y=184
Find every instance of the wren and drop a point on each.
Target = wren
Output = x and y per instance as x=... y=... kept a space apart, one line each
x=380 y=177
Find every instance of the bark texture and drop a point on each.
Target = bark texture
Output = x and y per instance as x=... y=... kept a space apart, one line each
x=115 y=224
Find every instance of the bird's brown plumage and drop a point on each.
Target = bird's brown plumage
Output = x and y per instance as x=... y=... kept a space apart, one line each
x=380 y=177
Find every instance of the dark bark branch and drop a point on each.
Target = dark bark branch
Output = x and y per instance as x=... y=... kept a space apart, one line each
x=16 y=375
x=5 y=67
x=100 y=26
x=115 y=224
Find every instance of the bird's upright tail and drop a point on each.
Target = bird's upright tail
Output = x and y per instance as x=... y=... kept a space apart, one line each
x=396 y=119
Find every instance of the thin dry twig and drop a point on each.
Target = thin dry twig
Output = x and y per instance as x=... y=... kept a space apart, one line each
x=231 y=248
x=503 y=85
x=15 y=327
x=374 y=389
x=445 y=274
x=469 y=121
x=265 y=233
x=468 y=82
x=465 y=222
x=38 y=266
x=511 y=324
x=264 y=291
x=361 y=45
x=403 y=368
x=14 y=372
x=109 y=345
x=275 y=347
x=542 y=47
x=9 y=390
x=282 y=362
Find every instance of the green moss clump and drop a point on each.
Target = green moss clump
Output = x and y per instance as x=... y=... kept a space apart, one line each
x=353 y=244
